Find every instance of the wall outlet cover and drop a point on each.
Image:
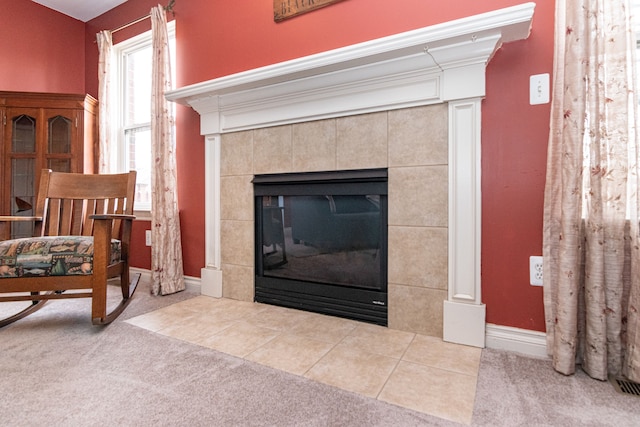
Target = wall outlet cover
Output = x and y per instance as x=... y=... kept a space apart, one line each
x=535 y=270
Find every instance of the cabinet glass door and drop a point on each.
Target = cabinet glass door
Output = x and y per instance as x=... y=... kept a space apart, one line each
x=24 y=134
x=23 y=159
x=59 y=136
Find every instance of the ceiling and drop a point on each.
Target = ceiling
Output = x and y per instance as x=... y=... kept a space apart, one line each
x=83 y=10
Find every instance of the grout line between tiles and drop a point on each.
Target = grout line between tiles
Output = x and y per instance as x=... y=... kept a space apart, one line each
x=388 y=378
x=259 y=347
x=408 y=345
x=442 y=369
x=400 y=359
x=327 y=352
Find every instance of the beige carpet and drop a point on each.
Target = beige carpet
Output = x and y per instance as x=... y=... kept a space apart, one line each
x=59 y=370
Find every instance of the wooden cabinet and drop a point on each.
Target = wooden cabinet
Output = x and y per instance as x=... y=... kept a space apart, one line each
x=42 y=131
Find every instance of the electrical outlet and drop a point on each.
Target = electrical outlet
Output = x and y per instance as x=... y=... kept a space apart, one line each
x=535 y=270
x=147 y=237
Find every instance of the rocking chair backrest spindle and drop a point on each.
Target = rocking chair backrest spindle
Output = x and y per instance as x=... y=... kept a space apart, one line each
x=66 y=203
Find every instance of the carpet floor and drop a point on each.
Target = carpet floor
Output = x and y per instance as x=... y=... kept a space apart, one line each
x=59 y=370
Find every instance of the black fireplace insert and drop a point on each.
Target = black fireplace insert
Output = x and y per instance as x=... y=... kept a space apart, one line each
x=321 y=242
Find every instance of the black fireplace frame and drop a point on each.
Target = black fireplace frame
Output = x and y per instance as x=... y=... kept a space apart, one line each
x=363 y=304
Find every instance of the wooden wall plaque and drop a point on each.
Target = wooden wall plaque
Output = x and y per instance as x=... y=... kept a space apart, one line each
x=283 y=9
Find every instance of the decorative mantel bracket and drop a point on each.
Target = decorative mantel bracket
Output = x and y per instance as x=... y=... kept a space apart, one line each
x=435 y=64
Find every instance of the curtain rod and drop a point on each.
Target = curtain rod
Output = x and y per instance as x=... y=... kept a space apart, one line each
x=167 y=8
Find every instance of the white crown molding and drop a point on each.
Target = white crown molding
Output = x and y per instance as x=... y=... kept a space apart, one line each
x=429 y=65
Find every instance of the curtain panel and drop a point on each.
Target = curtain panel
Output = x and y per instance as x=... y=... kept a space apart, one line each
x=105 y=46
x=590 y=241
x=166 y=251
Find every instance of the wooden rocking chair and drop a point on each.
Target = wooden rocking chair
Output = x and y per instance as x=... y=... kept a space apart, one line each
x=81 y=240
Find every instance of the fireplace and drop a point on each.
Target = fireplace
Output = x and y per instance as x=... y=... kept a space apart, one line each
x=321 y=242
x=409 y=103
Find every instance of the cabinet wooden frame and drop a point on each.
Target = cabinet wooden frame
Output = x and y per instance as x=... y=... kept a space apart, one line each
x=80 y=110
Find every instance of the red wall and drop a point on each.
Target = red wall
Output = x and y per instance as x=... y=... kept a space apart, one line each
x=218 y=38
x=40 y=50
x=514 y=155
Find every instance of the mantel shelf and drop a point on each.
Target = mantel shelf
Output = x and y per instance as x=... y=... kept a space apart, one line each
x=438 y=63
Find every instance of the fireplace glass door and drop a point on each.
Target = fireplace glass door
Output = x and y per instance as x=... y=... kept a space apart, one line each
x=321 y=242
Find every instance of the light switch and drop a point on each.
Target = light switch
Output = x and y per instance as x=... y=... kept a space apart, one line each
x=539 y=89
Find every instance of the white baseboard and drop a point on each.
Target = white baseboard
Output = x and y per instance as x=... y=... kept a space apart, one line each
x=191 y=283
x=531 y=343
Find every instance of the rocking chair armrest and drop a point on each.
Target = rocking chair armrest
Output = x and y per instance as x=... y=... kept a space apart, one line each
x=112 y=216
x=10 y=218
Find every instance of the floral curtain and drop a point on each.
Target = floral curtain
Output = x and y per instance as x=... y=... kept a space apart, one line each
x=166 y=251
x=591 y=244
x=104 y=69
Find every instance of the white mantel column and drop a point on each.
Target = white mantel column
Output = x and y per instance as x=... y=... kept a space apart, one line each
x=211 y=274
x=464 y=312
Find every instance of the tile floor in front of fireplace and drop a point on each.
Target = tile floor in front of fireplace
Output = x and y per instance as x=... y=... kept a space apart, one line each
x=410 y=370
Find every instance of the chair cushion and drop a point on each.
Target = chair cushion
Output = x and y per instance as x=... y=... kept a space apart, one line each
x=50 y=256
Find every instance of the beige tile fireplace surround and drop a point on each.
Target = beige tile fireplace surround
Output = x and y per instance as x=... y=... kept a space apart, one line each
x=410 y=103
x=411 y=143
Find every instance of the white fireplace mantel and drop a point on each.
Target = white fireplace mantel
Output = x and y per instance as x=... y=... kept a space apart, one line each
x=436 y=64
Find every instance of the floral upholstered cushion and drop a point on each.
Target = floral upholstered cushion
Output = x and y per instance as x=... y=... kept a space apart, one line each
x=50 y=256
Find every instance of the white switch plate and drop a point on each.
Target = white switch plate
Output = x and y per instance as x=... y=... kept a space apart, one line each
x=147 y=237
x=539 y=89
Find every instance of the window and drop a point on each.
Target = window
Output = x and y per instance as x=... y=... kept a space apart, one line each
x=131 y=84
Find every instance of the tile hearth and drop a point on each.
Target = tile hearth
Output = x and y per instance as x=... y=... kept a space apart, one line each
x=414 y=371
